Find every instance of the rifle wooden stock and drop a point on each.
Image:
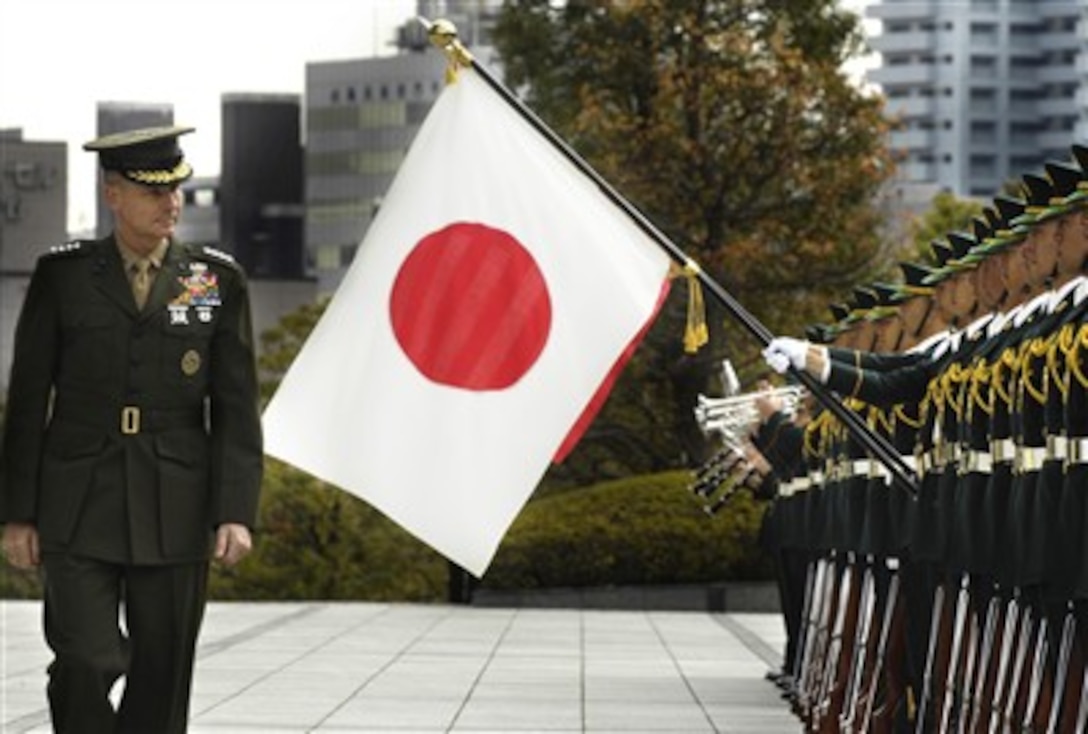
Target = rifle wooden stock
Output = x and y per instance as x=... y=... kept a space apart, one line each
x=946 y=697
x=1009 y=636
x=861 y=658
x=1014 y=694
x=832 y=687
x=1067 y=721
x=1038 y=674
x=809 y=693
x=1061 y=671
x=1081 y=720
x=888 y=666
x=965 y=690
x=986 y=678
x=933 y=651
x=797 y=665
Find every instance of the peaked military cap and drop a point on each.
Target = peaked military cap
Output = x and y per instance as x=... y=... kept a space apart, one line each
x=942 y=252
x=1064 y=177
x=889 y=294
x=961 y=244
x=914 y=275
x=820 y=333
x=981 y=229
x=150 y=156
x=839 y=311
x=1037 y=190
x=1080 y=155
x=1070 y=182
x=864 y=298
x=1008 y=208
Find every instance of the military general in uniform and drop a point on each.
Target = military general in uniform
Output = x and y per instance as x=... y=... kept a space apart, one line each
x=132 y=446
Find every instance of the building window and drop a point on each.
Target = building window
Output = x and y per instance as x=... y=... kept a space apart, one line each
x=334 y=97
x=351 y=94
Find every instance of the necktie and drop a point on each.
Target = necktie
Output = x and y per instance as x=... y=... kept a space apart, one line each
x=141 y=281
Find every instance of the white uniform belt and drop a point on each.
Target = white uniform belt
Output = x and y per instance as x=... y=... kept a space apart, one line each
x=978 y=462
x=860 y=467
x=1057 y=448
x=1003 y=450
x=1030 y=459
x=1076 y=450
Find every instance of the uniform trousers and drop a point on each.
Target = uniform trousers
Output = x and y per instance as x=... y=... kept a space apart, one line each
x=105 y=620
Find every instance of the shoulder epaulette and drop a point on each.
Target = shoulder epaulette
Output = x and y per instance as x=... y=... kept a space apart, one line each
x=67 y=249
x=218 y=254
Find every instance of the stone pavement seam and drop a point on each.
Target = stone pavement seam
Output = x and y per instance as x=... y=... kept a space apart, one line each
x=750 y=640
x=405 y=650
x=483 y=669
x=214 y=647
x=680 y=669
x=264 y=628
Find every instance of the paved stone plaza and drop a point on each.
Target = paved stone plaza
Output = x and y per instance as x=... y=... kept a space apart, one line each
x=400 y=668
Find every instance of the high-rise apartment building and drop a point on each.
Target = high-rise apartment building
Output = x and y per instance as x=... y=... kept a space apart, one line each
x=982 y=90
x=361 y=116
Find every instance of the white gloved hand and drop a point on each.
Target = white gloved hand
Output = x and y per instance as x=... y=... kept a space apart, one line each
x=784 y=352
x=780 y=363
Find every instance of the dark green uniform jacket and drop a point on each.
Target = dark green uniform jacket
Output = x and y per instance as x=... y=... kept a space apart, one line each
x=130 y=435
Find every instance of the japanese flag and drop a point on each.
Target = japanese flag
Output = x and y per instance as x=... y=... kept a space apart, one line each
x=496 y=295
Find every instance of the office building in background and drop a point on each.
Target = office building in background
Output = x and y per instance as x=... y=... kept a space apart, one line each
x=33 y=216
x=983 y=91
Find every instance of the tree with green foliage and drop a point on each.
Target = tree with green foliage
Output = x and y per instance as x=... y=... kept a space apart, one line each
x=946 y=213
x=733 y=126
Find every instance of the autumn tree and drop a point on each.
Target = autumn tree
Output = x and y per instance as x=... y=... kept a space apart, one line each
x=732 y=125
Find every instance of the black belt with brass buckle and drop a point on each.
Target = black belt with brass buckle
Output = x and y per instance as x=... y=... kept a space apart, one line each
x=130 y=420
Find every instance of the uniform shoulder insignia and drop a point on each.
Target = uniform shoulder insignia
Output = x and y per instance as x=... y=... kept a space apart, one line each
x=217 y=254
x=67 y=249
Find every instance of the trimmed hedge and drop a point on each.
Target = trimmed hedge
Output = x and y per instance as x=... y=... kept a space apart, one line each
x=317 y=542
x=641 y=530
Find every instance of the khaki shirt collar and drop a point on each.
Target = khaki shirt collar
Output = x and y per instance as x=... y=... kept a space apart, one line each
x=156 y=256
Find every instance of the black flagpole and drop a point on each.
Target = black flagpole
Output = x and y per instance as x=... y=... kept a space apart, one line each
x=443 y=34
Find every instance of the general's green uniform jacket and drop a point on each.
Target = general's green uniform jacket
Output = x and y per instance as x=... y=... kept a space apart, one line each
x=130 y=435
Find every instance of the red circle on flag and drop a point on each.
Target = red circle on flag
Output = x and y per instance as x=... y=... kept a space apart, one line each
x=470 y=308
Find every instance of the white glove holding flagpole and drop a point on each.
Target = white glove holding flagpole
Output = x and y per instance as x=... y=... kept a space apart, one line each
x=784 y=352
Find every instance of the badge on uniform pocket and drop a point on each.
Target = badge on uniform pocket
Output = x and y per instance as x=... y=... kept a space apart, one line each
x=190 y=362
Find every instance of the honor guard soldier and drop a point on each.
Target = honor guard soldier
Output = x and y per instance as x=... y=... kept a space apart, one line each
x=132 y=446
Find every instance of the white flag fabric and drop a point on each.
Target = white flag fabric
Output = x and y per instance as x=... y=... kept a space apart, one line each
x=493 y=298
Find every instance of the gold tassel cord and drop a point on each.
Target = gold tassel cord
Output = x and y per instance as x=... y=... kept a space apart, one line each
x=696 y=333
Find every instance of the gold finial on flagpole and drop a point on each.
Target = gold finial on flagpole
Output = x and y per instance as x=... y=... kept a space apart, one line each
x=443 y=35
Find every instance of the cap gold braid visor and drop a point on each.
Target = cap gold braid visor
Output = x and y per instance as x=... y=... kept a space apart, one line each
x=149 y=156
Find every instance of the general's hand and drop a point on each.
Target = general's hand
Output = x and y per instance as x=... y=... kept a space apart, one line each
x=232 y=543
x=21 y=548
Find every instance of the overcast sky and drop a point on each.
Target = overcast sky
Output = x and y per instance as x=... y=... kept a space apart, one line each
x=59 y=58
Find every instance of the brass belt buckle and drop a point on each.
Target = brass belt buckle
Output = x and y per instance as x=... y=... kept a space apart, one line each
x=130 y=420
